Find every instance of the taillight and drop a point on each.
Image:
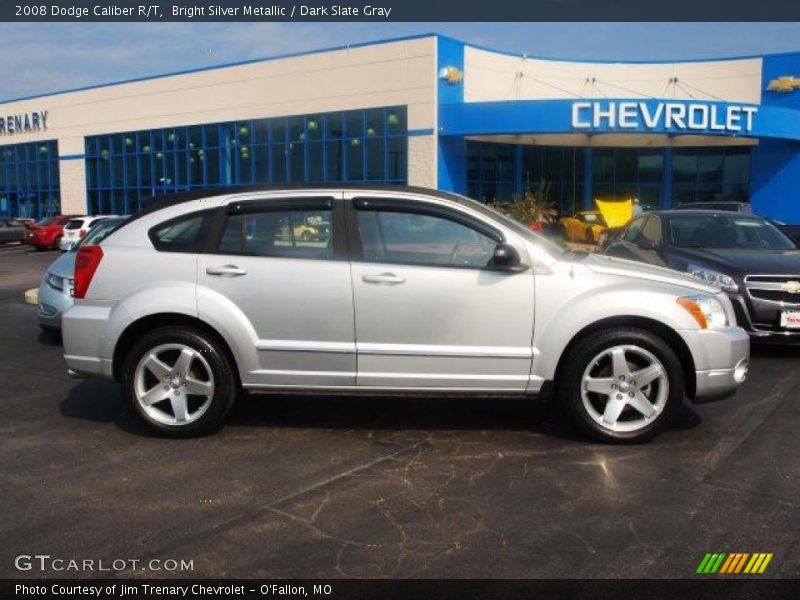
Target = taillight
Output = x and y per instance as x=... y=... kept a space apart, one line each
x=86 y=263
x=82 y=233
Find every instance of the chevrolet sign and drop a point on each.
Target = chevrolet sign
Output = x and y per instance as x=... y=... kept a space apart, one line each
x=792 y=287
x=663 y=116
x=784 y=84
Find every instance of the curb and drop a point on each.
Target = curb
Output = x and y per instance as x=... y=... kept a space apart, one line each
x=32 y=296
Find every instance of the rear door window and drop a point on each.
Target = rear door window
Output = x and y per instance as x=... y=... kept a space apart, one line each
x=301 y=233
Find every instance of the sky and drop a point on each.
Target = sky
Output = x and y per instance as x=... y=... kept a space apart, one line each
x=42 y=58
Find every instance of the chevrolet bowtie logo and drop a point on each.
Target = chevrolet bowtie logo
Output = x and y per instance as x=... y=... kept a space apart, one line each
x=784 y=84
x=793 y=287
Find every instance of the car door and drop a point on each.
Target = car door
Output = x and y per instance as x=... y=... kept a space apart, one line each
x=294 y=291
x=429 y=312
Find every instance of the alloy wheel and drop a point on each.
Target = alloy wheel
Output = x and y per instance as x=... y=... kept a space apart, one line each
x=624 y=388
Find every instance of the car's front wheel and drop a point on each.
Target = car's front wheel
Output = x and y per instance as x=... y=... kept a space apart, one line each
x=622 y=385
x=180 y=381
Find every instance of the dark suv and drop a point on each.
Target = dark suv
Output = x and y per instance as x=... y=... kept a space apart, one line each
x=745 y=255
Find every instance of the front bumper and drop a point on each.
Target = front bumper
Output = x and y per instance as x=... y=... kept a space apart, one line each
x=721 y=359
x=53 y=303
x=767 y=330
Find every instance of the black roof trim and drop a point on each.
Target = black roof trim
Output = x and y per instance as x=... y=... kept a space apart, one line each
x=155 y=203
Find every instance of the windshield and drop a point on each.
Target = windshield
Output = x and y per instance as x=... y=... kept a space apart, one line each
x=518 y=227
x=46 y=221
x=727 y=231
x=99 y=232
x=591 y=217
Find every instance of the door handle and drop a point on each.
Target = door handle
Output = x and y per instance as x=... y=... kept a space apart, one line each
x=226 y=271
x=384 y=278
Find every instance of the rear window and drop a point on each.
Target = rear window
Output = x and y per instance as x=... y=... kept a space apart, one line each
x=74 y=224
x=186 y=233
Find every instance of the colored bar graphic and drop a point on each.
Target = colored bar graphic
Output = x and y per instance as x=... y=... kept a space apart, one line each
x=734 y=563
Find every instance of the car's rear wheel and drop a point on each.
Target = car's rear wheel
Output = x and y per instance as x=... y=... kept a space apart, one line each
x=622 y=385
x=180 y=381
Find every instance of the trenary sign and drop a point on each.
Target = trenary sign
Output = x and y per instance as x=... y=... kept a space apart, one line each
x=24 y=123
x=663 y=116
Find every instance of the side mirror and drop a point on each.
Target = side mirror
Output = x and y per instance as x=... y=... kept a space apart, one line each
x=507 y=258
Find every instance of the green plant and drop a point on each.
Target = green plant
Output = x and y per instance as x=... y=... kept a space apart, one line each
x=532 y=206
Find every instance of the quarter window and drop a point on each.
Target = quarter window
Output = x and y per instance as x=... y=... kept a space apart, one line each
x=652 y=230
x=413 y=238
x=634 y=232
x=183 y=234
x=287 y=233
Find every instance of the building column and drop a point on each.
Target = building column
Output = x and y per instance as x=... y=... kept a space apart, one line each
x=588 y=192
x=452 y=164
x=666 y=183
x=72 y=175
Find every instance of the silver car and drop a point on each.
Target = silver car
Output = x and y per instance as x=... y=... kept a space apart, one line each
x=385 y=290
x=55 y=290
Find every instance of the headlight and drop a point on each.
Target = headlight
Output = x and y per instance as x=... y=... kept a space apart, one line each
x=54 y=281
x=715 y=278
x=706 y=310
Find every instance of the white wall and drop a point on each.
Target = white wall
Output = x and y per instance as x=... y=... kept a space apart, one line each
x=393 y=73
x=491 y=76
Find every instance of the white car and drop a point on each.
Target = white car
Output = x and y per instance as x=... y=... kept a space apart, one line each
x=77 y=228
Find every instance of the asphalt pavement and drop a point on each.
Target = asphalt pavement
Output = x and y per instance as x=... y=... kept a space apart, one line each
x=319 y=487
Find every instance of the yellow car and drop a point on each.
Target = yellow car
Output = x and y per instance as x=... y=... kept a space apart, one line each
x=585 y=226
x=588 y=225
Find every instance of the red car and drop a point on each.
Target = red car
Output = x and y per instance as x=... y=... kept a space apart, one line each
x=47 y=232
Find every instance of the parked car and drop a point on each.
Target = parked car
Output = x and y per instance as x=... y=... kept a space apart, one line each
x=413 y=291
x=738 y=207
x=745 y=255
x=77 y=228
x=47 y=232
x=595 y=226
x=56 y=289
x=11 y=230
x=584 y=227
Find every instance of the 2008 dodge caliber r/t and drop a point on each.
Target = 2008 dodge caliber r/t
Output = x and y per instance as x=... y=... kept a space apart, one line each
x=382 y=290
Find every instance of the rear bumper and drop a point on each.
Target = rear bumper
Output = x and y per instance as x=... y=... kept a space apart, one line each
x=721 y=359
x=83 y=329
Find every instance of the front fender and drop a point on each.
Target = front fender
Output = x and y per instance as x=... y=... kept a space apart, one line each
x=568 y=318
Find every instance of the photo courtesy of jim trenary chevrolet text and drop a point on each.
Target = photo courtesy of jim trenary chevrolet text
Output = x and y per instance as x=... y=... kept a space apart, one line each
x=400 y=300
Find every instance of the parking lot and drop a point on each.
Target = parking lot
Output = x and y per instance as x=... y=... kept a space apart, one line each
x=318 y=487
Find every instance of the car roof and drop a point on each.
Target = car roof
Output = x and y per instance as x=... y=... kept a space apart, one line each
x=690 y=212
x=155 y=203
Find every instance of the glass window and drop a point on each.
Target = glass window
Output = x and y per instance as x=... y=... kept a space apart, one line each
x=414 y=238
x=634 y=232
x=290 y=234
x=186 y=233
x=652 y=230
x=356 y=145
x=29 y=184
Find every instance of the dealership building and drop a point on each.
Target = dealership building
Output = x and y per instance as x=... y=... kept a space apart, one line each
x=426 y=110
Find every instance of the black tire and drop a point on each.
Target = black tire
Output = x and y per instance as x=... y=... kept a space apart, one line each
x=40 y=248
x=582 y=355
x=226 y=385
